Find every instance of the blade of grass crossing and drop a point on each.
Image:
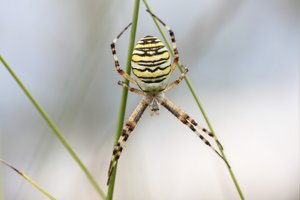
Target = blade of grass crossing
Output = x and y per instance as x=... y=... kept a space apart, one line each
x=32 y=182
x=55 y=130
x=198 y=103
x=124 y=92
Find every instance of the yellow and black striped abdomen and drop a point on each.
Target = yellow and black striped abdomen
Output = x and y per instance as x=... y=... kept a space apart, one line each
x=151 y=64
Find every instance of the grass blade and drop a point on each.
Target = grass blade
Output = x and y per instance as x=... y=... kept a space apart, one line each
x=124 y=92
x=55 y=129
x=32 y=182
x=199 y=105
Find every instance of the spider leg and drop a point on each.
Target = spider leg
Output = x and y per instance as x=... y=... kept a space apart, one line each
x=171 y=33
x=127 y=129
x=192 y=121
x=176 y=82
x=131 y=89
x=187 y=120
x=115 y=57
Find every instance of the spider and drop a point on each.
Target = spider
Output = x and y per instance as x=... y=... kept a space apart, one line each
x=152 y=67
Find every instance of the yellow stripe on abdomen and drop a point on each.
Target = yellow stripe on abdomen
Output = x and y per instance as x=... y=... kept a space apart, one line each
x=151 y=74
x=150 y=58
x=148 y=45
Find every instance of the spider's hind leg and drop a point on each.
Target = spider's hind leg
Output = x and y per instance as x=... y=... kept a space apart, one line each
x=176 y=82
x=171 y=33
x=115 y=57
x=131 y=89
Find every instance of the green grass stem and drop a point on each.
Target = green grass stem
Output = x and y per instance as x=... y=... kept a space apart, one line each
x=199 y=104
x=124 y=93
x=29 y=180
x=55 y=129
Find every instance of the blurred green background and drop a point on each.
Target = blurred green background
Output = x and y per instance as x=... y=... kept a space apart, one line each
x=243 y=57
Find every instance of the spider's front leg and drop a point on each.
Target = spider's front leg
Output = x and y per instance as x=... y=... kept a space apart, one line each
x=191 y=123
x=127 y=129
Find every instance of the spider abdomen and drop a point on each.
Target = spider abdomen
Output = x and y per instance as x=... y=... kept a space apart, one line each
x=151 y=64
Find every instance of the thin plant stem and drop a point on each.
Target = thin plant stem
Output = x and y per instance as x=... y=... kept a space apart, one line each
x=55 y=129
x=199 y=105
x=29 y=180
x=124 y=93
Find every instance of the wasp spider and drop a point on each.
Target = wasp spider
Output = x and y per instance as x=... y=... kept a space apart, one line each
x=152 y=67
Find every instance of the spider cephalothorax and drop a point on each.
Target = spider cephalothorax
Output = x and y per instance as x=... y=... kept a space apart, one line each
x=152 y=67
x=154 y=101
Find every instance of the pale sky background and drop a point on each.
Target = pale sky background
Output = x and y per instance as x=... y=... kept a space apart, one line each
x=243 y=57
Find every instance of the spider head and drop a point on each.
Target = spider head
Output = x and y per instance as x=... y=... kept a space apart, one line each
x=154 y=101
